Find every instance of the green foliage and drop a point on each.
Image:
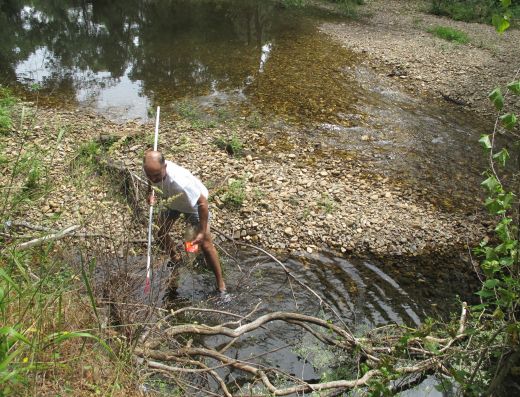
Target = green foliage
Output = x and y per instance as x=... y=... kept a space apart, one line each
x=449 y=34
x=235 y=194
x=32 y=334
x=499 y=13
x=85 y=158
x=254 y=120
x=500 y=291
x=232 y=145
x=190 y=111
x=293 y=3
x=349 y=8
x=326 y=203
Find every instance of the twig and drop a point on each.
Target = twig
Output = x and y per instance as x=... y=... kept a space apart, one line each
x=47 y=238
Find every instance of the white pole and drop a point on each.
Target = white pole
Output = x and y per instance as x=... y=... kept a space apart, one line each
x=150 y=215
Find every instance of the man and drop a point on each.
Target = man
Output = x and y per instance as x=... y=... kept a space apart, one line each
x=186 y=195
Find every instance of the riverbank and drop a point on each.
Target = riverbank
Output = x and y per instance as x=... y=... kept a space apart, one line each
x=289 y=195
x=395 y=39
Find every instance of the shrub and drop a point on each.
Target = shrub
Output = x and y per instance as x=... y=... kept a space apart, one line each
x=472 y=10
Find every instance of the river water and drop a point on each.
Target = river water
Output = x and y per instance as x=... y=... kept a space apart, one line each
x=257 y=59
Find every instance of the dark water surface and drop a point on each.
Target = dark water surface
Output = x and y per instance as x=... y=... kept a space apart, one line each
x=122 y=58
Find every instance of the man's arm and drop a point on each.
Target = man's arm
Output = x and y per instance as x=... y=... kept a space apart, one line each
x=149 y=197
x=203 y=208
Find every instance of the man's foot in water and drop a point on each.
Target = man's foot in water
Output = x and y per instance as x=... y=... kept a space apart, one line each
x=223 y=297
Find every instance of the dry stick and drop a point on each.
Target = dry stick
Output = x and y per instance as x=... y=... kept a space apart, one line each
x=47 y=238
x=202 y=329
x=200 y=309
x=229 y=255
x=322 y=302
x=246 y=367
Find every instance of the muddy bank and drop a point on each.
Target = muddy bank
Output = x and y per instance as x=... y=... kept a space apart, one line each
x=297 y=196
x=394 y=36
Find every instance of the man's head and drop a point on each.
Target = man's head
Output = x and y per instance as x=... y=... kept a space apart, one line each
x=154 y=166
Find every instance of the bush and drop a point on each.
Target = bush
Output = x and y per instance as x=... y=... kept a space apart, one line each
x=449 y=34
x=472 y=10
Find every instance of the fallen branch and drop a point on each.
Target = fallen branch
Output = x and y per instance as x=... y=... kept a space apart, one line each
x=48 y=238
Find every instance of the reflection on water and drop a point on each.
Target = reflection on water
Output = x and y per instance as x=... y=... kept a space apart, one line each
x=120 y=58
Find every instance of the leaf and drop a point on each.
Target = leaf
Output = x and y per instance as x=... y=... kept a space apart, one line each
x=491 y=184
x=485 y=293
x=509 y=120
x=484 y=141
x=500 y=22
x=9 y=280
x=514 y=87
x=505 y=3
x=59 y=337
x=502 y=157
x=496 y=97
x=491 y=283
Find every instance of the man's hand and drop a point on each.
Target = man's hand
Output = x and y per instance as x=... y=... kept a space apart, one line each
x=151 y=199
x=199 y=238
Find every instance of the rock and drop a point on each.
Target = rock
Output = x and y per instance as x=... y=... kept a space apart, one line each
x=249 y=157
x=288 y=231
x=309 y=250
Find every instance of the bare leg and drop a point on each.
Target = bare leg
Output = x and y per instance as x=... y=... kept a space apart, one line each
x=211 y=255
x=165 y=241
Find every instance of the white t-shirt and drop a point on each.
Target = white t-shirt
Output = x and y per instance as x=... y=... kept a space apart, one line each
x=184 y=185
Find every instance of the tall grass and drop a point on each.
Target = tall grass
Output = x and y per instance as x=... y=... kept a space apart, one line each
x=51 y=341
x=6 y=104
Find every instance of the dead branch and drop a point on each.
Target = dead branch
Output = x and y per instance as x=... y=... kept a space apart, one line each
x=45 y=239
x=422 y=366
x=373 y=350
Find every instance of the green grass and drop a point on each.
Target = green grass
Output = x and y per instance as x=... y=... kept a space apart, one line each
x=326 y=203
x=191 y=112
x=235 y=194
x=232 y=145
x=449 y=34
x=7 y=101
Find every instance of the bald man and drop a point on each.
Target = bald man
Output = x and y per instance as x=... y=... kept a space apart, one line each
x=187 y=196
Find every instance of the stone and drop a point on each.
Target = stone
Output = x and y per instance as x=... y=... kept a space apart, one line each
x=309 y=250
x=289 y=231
